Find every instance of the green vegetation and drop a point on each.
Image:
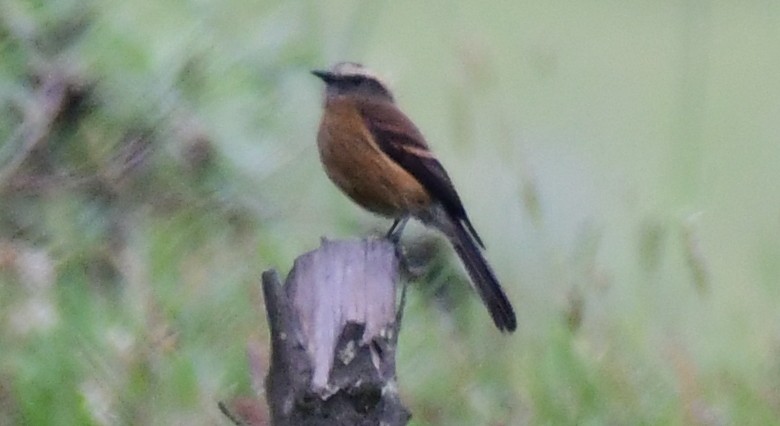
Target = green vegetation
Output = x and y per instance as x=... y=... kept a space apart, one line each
x=620 y=160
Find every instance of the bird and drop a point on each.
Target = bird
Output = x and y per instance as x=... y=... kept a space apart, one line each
x=378 y=157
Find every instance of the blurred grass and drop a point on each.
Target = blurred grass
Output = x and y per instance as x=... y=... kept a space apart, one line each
x=619 y=159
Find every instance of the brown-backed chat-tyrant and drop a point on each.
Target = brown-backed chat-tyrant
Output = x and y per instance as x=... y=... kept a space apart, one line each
x=378 y=157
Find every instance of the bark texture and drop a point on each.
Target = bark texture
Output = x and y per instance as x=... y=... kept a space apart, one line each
x=334 y=331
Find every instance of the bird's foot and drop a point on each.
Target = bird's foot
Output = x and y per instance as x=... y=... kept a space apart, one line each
x=396 y=229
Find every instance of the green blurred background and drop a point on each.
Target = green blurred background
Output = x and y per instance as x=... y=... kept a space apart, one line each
x=621 y=160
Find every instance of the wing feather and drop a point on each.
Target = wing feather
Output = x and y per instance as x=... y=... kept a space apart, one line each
x=400 y=139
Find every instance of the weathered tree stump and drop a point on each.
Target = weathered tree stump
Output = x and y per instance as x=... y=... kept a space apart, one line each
x=334 y=331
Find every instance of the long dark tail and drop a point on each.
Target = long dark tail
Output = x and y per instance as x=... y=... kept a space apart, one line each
x=485 y=281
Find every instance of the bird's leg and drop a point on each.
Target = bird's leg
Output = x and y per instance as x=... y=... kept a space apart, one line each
x=394 y=234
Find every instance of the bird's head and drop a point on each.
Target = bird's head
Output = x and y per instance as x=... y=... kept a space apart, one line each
x=353 y=79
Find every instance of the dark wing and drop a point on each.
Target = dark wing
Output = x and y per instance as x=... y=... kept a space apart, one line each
x=400 y=139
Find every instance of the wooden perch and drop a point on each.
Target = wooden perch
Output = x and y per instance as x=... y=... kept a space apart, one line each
x=334 y=331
